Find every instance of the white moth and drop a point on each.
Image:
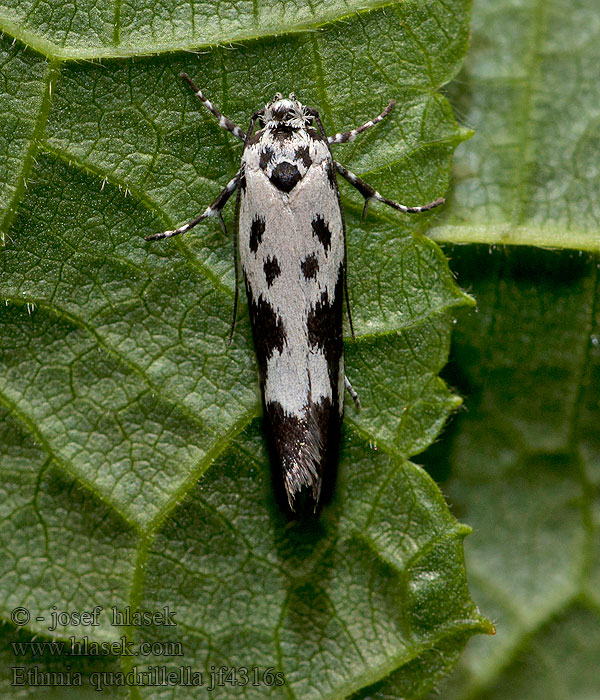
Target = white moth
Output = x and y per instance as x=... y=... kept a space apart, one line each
x=291 y=237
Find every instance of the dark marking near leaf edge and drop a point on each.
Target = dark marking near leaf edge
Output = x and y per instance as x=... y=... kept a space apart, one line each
x=310 y=266
x=271 y=269
x=256 y=233
x=322 y=232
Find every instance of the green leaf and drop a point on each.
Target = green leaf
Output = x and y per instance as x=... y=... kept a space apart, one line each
x=132 y=456
x=522 y=466
x=530 y=89
x=522 y=463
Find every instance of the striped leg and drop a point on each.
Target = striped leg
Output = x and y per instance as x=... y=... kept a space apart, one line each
x=370 y=193
x=223 y=121
x=350 y=389
x=346 y=136
x=213 y=209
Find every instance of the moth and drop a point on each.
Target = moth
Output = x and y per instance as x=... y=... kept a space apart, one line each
x=291 y=238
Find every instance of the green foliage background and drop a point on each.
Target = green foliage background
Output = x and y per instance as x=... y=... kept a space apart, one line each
x=521 y=464
x=133 y=465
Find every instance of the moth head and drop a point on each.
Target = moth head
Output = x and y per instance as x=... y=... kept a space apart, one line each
x=285 y=112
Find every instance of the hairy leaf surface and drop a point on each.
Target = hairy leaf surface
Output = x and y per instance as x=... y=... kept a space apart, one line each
x=133 y=465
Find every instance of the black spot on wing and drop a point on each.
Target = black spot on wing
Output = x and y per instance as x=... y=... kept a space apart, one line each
x=331 y=175
x=302 y=153
x=242 y=182
x=271 y=269
x=310 y=266
x=324 y=324
x=304 y=454
x=267 y=329
x=285 y=176
x=266 y=155
x=321 y=231
x=257 y=230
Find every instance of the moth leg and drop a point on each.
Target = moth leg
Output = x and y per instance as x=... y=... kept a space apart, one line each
x=213 y=209
x=350 y=389
x=223 y=121
x=370 y=193
x=345 y=136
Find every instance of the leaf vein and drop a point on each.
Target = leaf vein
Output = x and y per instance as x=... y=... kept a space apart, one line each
x=34 y=144
x=61 y=462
